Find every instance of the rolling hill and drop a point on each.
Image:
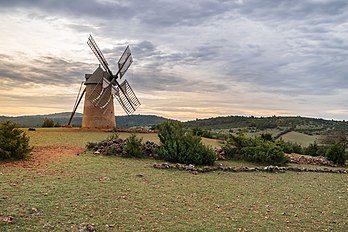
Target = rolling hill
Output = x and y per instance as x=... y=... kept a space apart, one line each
x=62 y=119
x=310 y=126
x=296 y=123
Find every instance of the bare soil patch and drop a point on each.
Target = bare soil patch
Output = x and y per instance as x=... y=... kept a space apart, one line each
x=42 y=156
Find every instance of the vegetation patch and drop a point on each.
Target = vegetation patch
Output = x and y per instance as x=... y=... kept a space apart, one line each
x=257 y=150
x=112 y=193
x=14 y=143
x=180 y=146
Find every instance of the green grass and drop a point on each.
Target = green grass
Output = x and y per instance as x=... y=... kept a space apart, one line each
x=302 y=139
x=76 y=137
x=130 y=195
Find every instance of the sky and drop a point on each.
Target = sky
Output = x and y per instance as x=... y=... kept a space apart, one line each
x=192 y=59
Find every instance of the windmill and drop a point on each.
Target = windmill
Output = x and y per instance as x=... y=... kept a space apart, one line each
x=101 y=88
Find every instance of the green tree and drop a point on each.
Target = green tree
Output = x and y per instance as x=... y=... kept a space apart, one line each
x=48 y=122
x=14 y=143
x=336 y=153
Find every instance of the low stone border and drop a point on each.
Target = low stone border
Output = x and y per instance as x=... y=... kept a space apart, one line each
x=275 y=169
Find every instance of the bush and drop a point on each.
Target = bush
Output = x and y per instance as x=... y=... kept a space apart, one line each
x=289 y=147
x=182 y=147
x=113 y=136
x=257 y=150
x=14 y=143
x=48 y=122
x=314 y=149
x=336 y=154
x=133 y=147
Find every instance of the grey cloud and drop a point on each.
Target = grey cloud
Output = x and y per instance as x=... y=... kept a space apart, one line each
x=46 y=70
x=164 y=13
x=301 y=49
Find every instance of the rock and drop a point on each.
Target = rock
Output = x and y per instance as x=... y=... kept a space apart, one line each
x=87 y=228
x=34 y=211
x=7 y=219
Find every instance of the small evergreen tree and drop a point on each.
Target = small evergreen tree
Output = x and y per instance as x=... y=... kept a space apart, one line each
x=336 y=154
x=180 y=146
x=14 y=143
x=133 y=147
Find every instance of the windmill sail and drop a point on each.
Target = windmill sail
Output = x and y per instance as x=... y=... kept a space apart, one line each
x=93 y=45
x=108 y=86
x=126 y=97
x=124 y=62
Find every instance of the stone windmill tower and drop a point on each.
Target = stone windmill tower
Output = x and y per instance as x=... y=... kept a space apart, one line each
x=101 y=88
x=95 y=117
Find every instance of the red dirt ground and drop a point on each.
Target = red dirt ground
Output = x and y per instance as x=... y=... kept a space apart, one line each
x=41 y=156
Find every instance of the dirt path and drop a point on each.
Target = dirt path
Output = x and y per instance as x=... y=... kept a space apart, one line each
x=42 y=156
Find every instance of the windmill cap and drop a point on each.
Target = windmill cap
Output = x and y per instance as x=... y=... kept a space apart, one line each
x=96 y=77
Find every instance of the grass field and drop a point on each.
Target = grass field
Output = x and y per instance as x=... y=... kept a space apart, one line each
x=119 y=194
x=300 y=138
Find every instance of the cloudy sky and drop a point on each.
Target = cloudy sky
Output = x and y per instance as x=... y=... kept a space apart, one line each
x=192 y=59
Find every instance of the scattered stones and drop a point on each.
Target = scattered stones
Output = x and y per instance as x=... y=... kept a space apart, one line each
x=87 y=228
x=6 y=219
x=273 y=169
x=104 y=179
x=34 y=211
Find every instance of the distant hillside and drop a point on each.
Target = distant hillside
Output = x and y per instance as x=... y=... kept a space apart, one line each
x=138 y=120
x=62 y=119
x=300 y=124
x=59 y=115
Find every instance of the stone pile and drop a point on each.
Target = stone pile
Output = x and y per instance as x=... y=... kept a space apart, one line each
x=220 y=154
x=116 y=147
x=307 y=159
x=150 y=148
x=191 y=168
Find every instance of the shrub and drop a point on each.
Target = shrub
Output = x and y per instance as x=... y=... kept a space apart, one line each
x=182 y=147
x=336 y=154
x=203 y=133
x=133 y=146
x=257 y=150
x=285 y=146
x=113 y=136
x=312 y=149
x=267 y=137
x=91 y=145
x=48 y=122
x=296 y=148
x=14 y=143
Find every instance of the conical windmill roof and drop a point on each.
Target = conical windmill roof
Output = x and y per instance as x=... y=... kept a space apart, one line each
x=96 y=77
